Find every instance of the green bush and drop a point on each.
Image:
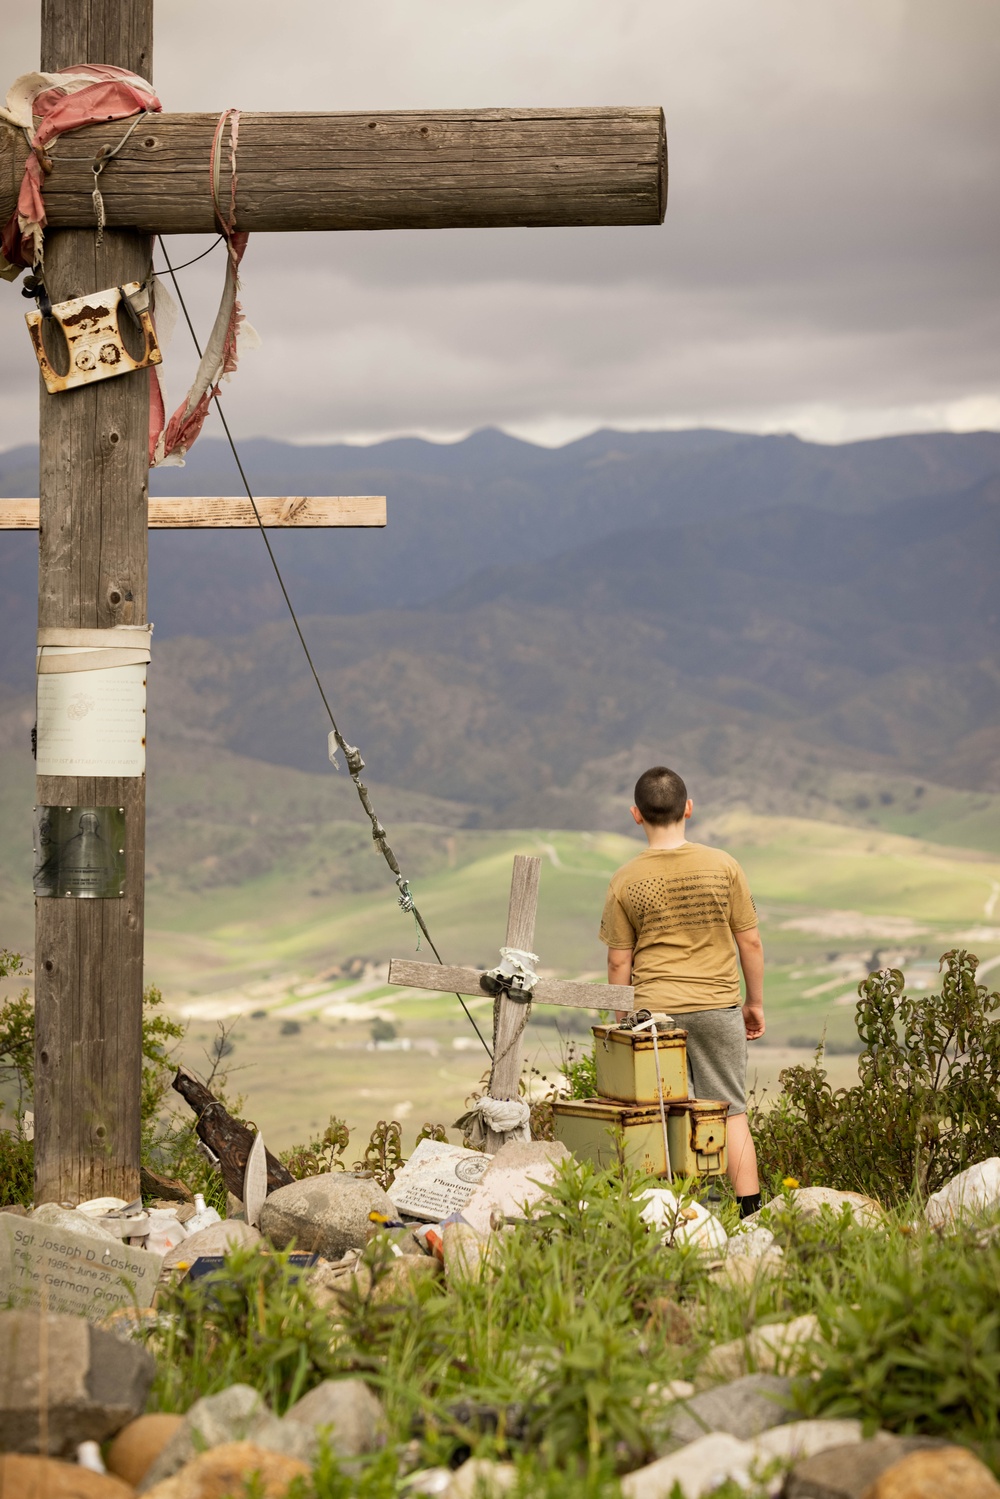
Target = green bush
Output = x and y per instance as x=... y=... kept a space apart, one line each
x=17 y=1066
x=927 y=1104
x=912 y=1337
x=252 y=1322
x=552 y=1351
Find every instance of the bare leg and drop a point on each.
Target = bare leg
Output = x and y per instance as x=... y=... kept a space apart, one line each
x=742 y=1168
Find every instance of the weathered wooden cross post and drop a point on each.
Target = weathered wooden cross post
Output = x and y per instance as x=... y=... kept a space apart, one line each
x=431 y=170
x=510 y=1014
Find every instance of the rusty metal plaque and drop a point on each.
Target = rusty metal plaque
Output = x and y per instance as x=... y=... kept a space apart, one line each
x=80 y=852
x=94 y=345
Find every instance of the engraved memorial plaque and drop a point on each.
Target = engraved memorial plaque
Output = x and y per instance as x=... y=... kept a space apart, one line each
x=437 y=1180
x=80 y=852
x=45 y=1266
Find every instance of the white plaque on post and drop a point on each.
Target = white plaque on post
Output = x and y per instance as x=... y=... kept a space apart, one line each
x=91 y=723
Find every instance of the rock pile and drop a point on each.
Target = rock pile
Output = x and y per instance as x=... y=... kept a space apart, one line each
x=65 y=1380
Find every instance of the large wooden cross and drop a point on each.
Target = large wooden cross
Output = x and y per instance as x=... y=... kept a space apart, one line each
x=438 y=169
x=510 y=1015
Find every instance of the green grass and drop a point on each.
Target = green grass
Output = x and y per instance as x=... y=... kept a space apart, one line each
x=553 y=1355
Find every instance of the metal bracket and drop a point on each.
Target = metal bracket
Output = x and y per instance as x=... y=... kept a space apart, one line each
x=90 y=326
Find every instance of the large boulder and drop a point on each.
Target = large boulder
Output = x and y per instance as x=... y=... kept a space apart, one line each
x=234 y=1468
x=90 y=1382
x=23 y=1477
x=703 y=1464
x=697 y=1468
x=518 y=1177
x=810 y=1202
x=851 y=1472
x=975 y=1190
x=773 y=1348
x=232 y=1415
x=325 y=1215
x=344 y=1411
x=745 y=1408
x=137 y=1446
x=217 y=1238
x=948 y=1473
x=72 y=1222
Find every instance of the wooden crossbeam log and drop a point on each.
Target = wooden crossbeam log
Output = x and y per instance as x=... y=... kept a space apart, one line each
x=226 y=512
x=510 y=1015
x=448 y=979
x=433 y=169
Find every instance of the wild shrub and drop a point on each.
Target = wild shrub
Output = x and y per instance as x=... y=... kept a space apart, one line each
x=927 y=1104
x=915 y=1347
x=326 y=1153
x=17 y=1066
x=553 y=1350
x=253 y=1322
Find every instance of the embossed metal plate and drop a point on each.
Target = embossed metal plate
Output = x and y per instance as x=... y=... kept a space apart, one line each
x=80 y=852
x=93 y=338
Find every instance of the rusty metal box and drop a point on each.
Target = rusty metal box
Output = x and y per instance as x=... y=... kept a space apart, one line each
x=627 y=1063
x=603 y=1131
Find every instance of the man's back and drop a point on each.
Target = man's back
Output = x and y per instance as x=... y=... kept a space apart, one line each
x=677 y=909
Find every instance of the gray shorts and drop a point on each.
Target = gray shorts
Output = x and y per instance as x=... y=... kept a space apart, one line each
x=717 y=1055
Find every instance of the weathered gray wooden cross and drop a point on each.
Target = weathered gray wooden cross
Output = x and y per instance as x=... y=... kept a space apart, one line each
x=510 y=1015
x=432 y=170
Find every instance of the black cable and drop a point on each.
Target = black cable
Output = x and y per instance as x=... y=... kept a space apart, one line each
x=295 y=621
x=184 y=264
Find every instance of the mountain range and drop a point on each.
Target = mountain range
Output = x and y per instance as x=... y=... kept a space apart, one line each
x=774 y=617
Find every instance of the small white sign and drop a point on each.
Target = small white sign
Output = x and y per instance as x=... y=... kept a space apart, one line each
x=438 y=1180
x=91 y=723
x=41 y=1265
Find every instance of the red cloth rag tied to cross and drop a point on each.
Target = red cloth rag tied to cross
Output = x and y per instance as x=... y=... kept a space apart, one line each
x=47 y=105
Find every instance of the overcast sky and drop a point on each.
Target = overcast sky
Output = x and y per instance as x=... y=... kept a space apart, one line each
x=828 y=265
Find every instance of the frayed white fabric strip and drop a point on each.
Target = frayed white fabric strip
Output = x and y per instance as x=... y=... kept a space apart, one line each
x=504 y=1116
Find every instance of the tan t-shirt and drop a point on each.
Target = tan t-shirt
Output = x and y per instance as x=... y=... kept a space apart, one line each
x=677 y=908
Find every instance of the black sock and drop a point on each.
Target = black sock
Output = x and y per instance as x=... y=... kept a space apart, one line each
x=748 y=1204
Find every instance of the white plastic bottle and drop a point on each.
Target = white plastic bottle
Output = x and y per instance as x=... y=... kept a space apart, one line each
x=88 y=1455
x=204 y=1216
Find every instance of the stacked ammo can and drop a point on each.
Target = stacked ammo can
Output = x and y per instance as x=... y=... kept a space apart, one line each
x=625 y=1120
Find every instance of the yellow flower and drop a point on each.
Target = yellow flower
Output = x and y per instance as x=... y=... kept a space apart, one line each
x=790 y=1182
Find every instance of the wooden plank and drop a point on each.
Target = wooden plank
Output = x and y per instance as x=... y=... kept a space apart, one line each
x=523 y=902
x=441 y=978
x=449 y=979
x=509 y=1016
x=435 y=169
x=92 y=573
x=219 y=512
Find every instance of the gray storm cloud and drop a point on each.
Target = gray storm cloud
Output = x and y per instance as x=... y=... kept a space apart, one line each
x=827 y=265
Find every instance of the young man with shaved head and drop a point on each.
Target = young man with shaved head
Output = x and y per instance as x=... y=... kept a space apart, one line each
x=675 y=919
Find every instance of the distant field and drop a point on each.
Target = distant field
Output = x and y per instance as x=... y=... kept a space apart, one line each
x=834 y=902
x=265 y=893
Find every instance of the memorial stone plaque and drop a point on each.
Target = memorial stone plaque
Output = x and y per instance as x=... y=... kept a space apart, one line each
x=80 y=852
x=45 y=1266
x=438 y=1180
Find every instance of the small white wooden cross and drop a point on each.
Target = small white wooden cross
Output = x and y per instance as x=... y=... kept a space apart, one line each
x=510 y=1016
